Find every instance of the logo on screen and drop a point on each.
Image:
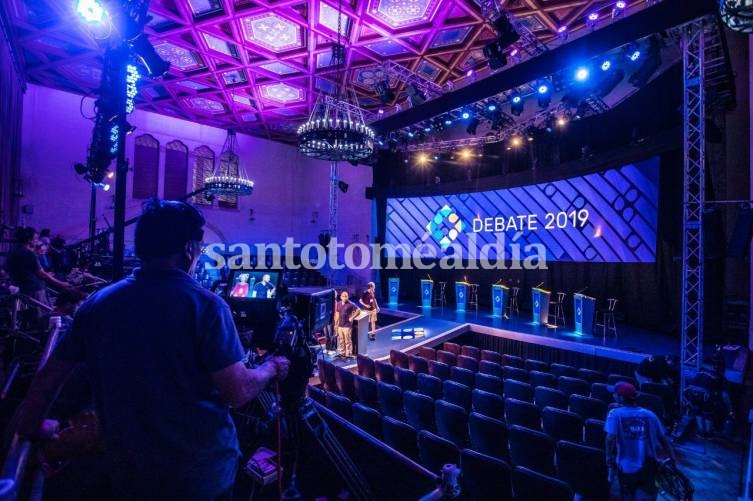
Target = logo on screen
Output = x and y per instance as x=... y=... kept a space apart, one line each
x=445 y=226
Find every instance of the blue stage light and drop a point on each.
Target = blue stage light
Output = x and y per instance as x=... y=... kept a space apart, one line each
x=448 y=121
x=466 y=115
x=606 y=65
x=543 y=87
x=516 y=99
x=410 y=134
x=492 y=107
x=621 y=5
x=91 y=10
x=635 y=55
x=582 y=74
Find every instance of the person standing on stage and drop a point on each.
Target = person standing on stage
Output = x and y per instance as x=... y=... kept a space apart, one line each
x=345 y=313
x=369 y=302
x=265 y=288
x=633 y=436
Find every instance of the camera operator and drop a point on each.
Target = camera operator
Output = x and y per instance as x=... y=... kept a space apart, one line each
x=165 y=363
x=709 y=398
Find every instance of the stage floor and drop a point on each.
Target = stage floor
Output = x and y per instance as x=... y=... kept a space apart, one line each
x=432 y=326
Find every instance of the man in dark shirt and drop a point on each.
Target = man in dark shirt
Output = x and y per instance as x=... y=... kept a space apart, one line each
x=24 y=269
x=369 y=302
x=165 y=362
x=265 y=288
x=345 y=313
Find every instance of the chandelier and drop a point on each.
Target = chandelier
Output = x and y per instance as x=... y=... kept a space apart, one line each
x=336 y=129
x=229 y=178
x=737 y=14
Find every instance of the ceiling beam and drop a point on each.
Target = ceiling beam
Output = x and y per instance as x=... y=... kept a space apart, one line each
x=664 y=15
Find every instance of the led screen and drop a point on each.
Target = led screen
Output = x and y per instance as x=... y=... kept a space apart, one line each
x=608 y=216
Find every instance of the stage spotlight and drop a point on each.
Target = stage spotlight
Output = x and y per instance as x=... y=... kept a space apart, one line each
x=110 y=175
x=543 y=86
x=620 y=5
x=422 y=159
x=506 y=34
x=154 y=64
x=470 y=73
x=472 y=126
x=634 y=55
x=606 y=65
x=516 y=104
x=410 y=134
x=516 y=141
x=495 y=55
x=448 y=121
x=380 y=111
x=562 y=29
x=466 y=115
x=491 y=107
x=582 y=74
x=384 y=92
x=608 y=82
x=415 y=95
x=466 y=154
x=561 y=122
x=543 y=92
x=343 y=186
x=593 y=16
x=649 y=64
x=91 y=10
x=106 y=186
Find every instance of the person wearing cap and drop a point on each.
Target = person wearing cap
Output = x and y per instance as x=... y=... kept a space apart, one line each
x=633 y=436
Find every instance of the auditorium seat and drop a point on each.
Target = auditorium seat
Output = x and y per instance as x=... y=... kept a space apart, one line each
x=562 y=425
x=447 y=357
x=651 y=402
x=492 y=384
x=574 y=386
x=518 y=390
x=491 y=368
x=340 y=405
x=366 y=391
x=588 y=407
x=405 y=379
x=400 y=436
x=429 y=385
x=463 y=376
x=452 y=422
x=592 y=376
x=385 y=372
x=419 y=410
x=539 y=378
x=327 y=375
x=453 y=348
x=469 y=363
x=439 y=369
x=594 y=434
x=458 y=394
x=535 y=365
x=600 y=391
x=365 y=366
x=518 y=412
x=512 y=361
x=367 y=419
x=613 y=379
x=317 y=394
x=515 y=373
x=491 y=356
x=485 y=478
x=399 y=359
x=549 y=397
x=418 y=364
x=488 y=404
x=663 y=391
x=345 y=381
x=563 y=370
x=531 y=449
x=434 y=452
x=470 y=351
x=584 y=469
x=427 y=352
x=530 y=485
x=488 y=436
x=390 y=400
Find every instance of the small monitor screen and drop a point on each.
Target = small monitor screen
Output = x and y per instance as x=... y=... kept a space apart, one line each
x=251 y=284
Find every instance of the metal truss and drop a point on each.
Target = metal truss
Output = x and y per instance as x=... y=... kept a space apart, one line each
x=350 y=109
x=406 y=76
x=333 y=187
x=693 y=58
x=528 y=43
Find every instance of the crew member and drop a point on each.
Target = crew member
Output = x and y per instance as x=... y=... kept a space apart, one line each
x=345 y=313
x=369 y=302
x=165 y=362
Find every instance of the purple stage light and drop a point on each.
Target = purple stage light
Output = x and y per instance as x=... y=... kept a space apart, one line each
x=562 y=29
x=593 y=16
x=621 y=5
x=513 y=52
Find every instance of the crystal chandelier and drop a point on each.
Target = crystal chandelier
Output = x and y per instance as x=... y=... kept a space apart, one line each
x=229 y=178
x=336 y=129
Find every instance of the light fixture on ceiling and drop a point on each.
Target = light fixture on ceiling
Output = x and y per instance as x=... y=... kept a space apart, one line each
x=229 y=178
x=336 y=129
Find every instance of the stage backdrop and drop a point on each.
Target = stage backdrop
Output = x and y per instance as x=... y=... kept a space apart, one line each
x=609 y=216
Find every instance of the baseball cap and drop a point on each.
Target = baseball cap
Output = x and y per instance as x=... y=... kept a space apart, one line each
x=624 y=389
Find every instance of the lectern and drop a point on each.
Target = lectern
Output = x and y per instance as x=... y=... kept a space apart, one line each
x=584 y=308
x=393 y=285
x=427 y=287
x=360 y=333
x=461 y=295
x=500 y=293
x=540 y=303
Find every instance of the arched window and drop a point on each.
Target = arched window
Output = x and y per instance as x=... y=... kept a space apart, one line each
x=145 y=167
x=203 y=167
x=176 y=170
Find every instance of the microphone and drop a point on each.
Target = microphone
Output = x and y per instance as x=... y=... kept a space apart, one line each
x=542 y=283
x=582 y=290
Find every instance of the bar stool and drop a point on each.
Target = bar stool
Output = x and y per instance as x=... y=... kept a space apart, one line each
x=439 y=294
x=473 y=296
x=559 y=309
x=608 y=322
x=512 y=305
